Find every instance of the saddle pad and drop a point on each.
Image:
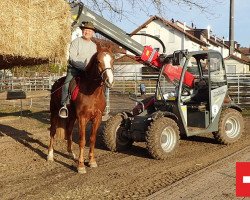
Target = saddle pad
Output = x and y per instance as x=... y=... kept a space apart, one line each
x=74 y=88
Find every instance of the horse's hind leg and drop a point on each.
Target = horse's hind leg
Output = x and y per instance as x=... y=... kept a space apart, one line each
x=53 y=120
x=69 y=132
x=95 y=126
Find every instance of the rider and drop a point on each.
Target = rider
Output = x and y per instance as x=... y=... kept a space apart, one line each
x=80 y=52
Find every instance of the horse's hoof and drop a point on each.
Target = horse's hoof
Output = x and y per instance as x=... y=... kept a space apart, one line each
x=50 y=158
x=93 y=164
x=72 y=155
x=81 y=170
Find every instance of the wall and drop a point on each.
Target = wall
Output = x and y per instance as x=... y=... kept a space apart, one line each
x=127 y=71
x=172 y=39
x=240 y=67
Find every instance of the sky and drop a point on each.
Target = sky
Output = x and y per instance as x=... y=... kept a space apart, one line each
x=217 y=19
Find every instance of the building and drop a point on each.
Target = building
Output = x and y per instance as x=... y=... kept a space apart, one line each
x=178 y=36
x=236 y=65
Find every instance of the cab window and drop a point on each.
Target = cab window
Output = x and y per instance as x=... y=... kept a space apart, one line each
x=217 y=71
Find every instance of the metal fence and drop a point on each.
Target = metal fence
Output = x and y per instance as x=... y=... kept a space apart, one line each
x=239 y=88
x=239 y=85
x=27 y=83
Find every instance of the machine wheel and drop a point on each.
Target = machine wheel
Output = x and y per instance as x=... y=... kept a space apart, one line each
x=162 y=138
x=231 y=126
x=113 y=134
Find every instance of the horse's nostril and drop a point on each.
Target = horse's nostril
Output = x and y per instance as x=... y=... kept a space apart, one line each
x=108 y=84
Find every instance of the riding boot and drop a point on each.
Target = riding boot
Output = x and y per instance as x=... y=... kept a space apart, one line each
x=63 y=112
x=71 y=72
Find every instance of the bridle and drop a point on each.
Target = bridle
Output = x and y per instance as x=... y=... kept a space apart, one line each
x=101 y=73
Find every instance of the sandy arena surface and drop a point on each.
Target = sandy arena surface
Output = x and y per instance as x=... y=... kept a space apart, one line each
x=131 y=174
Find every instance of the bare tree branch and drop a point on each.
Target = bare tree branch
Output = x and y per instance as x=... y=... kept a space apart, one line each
x=119 y=9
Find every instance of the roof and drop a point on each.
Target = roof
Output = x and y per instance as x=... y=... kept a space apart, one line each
x=126 y=60
x=192 y=33
x=172 y=25
x=244 y=60
x=245 y=50
x=107 y=43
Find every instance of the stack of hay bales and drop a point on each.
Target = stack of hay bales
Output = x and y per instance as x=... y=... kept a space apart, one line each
x=33 y=31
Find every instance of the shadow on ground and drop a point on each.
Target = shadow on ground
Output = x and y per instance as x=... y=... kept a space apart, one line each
x=42 y=116
x=201 y=139
x=25 y=138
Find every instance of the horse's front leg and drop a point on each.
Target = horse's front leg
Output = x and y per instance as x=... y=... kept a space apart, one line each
x=69 y=133
x=50 y=156
x=82 y=141
x=95 y=126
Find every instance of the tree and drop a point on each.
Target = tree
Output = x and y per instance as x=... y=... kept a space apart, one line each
x=119 y=9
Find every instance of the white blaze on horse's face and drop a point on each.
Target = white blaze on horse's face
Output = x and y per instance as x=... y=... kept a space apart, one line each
x=108 y=69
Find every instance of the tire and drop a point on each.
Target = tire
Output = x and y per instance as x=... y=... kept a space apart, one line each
x=112 y=134
x=231 y=126
x=162 y=138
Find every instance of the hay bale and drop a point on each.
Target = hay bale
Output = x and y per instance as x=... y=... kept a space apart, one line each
x=34 y=30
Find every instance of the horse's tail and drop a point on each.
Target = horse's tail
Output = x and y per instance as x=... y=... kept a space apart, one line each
x=61 y=129
x=58 y=124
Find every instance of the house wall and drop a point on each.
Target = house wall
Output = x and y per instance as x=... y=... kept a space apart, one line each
x=224 y=52
x=172 y=39
x=216 y=48
x=176 y=40
x=190 y=45
x=240 y=68
x=128 y=71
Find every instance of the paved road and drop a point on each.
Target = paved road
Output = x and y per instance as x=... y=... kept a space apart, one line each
x=214 y=182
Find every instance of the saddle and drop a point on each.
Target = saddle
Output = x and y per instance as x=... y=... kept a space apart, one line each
x=74 y=88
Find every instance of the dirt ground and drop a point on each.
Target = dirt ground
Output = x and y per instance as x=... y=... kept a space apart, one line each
x=132 y=174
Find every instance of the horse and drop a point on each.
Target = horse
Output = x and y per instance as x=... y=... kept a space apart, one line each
x=88 y=106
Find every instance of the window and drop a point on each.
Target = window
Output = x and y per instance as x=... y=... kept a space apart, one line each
x=192 y=66
x=204 y=66
x=217 y=71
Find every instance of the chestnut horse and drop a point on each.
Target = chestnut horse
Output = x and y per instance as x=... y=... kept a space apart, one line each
x=88 y=106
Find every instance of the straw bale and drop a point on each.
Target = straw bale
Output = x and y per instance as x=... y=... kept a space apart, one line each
x=37 y=30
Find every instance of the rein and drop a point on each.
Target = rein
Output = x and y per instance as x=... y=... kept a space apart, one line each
x=103 y=71
x=58 y=88
x=99 y=73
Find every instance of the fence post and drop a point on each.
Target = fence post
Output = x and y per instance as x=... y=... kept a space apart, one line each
x=107 y=110
x=135 y=83
x=35 y=82
x=124 y=84
x=50 y=82
x=30 y=84
x=43 y=82
x=238 y=89
x=12 y=84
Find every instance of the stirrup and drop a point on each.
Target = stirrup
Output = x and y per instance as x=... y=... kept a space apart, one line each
x=63 y=112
